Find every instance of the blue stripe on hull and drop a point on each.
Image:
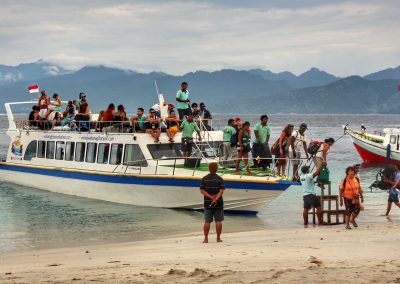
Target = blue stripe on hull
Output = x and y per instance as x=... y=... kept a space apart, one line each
x=173 y=181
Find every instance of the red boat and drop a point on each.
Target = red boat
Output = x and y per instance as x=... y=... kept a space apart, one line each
x=381 y=147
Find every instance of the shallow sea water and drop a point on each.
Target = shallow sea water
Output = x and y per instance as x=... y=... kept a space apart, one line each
x=35 y=219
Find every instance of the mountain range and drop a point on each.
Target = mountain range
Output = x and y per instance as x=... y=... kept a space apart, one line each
x=231 y=91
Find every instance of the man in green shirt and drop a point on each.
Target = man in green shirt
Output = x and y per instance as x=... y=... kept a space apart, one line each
x=262 y=154
x=182 y=97
x=138 y=121
x=230 y=153
x=188 y=127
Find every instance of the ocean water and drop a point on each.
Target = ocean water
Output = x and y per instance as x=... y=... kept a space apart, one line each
x=36 y=219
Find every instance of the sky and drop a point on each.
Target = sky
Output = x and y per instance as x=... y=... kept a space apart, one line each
x=341 y=37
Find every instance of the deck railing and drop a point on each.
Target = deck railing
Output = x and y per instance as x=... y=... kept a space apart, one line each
x=269 y=172
x=104 y=126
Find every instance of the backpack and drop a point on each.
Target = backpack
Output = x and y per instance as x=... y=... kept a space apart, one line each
x=323 y=176
x=388 y=172
x=313 y=147
x=234 y=139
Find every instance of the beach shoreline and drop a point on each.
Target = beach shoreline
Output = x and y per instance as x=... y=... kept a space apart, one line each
x=317 y=254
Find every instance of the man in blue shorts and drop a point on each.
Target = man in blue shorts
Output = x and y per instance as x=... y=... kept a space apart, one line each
x=310 y=197
x=393 y=191
x=212 y=187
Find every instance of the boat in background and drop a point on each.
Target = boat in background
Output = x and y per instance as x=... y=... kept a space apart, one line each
x=379 y=147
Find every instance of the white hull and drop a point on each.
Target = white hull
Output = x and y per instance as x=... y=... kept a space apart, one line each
x=243 y=200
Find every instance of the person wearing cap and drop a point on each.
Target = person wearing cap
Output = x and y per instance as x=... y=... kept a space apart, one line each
x=262 y=132
x=238 y=124
x=298 y=140
x=182 y=97
x=309 y=194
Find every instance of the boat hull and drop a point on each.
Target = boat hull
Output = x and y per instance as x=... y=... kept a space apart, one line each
x=373 y=152
x=166 y=192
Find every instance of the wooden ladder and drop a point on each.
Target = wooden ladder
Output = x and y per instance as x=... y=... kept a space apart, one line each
x=330 y=199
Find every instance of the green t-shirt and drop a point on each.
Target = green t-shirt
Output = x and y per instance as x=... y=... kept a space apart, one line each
x=183 y=96
x=141 y=120
x=188 y=128
x=228 y=132
x=263 y=132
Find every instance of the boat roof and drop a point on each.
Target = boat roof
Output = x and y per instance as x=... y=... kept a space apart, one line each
x=391 y=130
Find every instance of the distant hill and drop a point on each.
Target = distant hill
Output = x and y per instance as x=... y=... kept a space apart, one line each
x=390 y=73
x=29 y=71
x=231 y=91
x=310 y=78
x=349 y=95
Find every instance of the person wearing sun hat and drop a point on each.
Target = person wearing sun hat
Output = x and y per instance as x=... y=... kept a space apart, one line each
x=298 y=140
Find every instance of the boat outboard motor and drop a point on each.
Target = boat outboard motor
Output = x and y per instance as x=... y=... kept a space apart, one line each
x=387 y=172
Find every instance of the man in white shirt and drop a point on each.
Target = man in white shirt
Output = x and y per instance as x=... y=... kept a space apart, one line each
x=298 y=140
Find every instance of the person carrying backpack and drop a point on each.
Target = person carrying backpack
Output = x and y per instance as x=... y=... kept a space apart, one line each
x=323 y=151
x=350 y=193
x=393 y=191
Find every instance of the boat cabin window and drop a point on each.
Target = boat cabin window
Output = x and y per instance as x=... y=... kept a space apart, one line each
x=50 y=150
x=116 y=154
x=69 y=151
x=91 y=152
x=60 y=146
x=30 y=151
x=102 y=155
x=80 y=152
x=133 y=156
x=41 y=149
x=164 y=151
x=393 y=139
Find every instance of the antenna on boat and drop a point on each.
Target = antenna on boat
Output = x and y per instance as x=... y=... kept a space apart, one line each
x=155 y=83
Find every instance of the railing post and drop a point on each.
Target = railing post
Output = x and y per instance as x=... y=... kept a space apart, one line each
x=173 y=170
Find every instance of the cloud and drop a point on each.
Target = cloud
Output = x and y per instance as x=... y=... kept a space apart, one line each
x=343 y=37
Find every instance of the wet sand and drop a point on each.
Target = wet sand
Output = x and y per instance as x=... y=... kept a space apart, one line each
x=318 y=254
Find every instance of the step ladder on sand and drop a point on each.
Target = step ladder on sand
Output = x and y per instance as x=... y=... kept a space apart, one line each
x=330 y=207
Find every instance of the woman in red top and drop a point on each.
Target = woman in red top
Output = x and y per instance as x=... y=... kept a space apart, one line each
x=108 y=115
x=350 y=193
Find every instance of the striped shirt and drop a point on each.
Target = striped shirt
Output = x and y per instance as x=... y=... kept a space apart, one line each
x=212 y=183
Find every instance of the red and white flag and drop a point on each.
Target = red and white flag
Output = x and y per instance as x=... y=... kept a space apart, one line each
x=33 y=89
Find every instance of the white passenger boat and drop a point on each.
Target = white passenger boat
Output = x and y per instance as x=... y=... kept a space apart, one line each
x=126 y=168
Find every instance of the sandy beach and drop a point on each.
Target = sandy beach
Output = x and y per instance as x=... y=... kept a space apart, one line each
x=318 y=254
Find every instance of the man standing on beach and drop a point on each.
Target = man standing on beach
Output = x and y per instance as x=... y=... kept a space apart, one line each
x=182 y=97
x=212 y=187
x=309 y=195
